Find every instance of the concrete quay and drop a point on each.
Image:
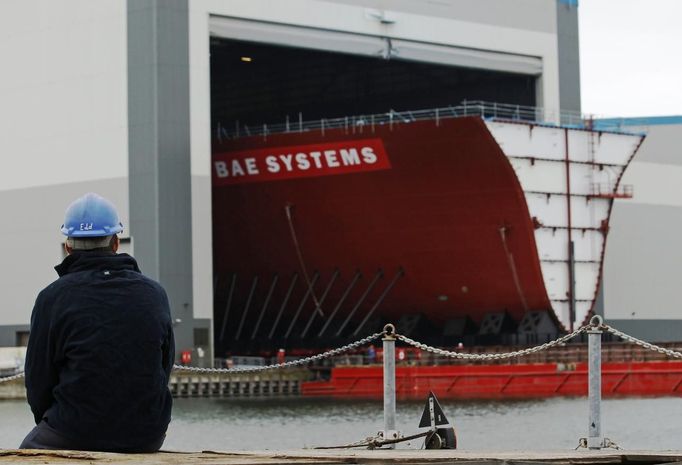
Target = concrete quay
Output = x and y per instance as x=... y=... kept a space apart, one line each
x=12 y=390
x=320 y=457
x=274 y=383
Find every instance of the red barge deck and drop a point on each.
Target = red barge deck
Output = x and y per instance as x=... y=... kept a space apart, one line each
x=519 y=381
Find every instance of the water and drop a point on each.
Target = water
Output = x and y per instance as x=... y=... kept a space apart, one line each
x=213 y=424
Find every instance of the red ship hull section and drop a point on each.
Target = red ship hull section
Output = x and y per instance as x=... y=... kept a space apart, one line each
x=502 y=381
x=435 y=210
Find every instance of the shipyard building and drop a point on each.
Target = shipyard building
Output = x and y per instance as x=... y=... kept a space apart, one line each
x=150 y=104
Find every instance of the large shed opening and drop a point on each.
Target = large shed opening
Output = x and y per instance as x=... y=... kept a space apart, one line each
x=255 y=84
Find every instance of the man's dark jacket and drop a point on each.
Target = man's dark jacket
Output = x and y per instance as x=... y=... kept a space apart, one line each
x=100 y=353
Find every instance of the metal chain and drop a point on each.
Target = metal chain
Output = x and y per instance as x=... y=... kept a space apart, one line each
x=293 y=363
x=12 y=378
x=497 y=356
x=639 y=342
x=419 y=345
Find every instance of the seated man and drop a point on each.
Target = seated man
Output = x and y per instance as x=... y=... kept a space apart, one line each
x=101 y=346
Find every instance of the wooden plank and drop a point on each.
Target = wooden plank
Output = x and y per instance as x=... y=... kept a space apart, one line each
x=324 y=457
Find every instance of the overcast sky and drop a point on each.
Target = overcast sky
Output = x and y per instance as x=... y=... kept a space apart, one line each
x=631 y=57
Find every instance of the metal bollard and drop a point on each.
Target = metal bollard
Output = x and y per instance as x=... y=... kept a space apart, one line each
x=389 y=384
x=594 y=437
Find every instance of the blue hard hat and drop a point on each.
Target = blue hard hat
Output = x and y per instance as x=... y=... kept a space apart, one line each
x=91 y=216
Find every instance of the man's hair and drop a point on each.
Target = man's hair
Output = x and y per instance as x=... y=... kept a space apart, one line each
x=99 y=244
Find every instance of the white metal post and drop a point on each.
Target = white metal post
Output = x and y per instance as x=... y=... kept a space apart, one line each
x=594 y=437
x=389 y=385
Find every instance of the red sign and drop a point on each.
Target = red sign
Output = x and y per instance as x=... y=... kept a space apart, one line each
x=303 y=161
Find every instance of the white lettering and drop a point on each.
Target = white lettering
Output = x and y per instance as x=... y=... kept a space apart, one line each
x=251 y=167
x=332 y=161
x=221 y=169
x=287 y=161
x=302 y=161
x=271 y=161
x=316 y=158
x=237 y=169
x=368 y=155
x=349 y=157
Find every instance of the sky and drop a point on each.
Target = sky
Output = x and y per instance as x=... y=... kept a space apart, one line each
x=631 y=57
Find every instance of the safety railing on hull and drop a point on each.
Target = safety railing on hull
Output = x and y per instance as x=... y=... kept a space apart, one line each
x=361 y=123
x=389 y=336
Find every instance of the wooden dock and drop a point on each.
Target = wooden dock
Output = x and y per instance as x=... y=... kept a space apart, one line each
x=320 y=457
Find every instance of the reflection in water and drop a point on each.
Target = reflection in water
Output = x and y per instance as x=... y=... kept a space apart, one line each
x=215 y=424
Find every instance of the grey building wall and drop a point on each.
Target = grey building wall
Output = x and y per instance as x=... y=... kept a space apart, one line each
x=643 y=263
x=10 y=335
x=534 y=15
x=86 y=104
x=31 y=242
x=650 y=330
x=663 y=144
x=569 y=55
x=642 y=278
x=159 y=151
x=63 y=133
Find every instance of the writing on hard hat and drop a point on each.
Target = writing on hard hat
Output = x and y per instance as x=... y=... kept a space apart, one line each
x=91 y=216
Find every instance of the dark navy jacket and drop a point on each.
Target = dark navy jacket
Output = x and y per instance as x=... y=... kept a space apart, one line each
x=100 y=353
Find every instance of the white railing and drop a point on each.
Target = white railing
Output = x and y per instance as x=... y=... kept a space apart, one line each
x=486 y=110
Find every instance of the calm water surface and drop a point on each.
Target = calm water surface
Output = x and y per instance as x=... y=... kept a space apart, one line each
x=203 y=424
